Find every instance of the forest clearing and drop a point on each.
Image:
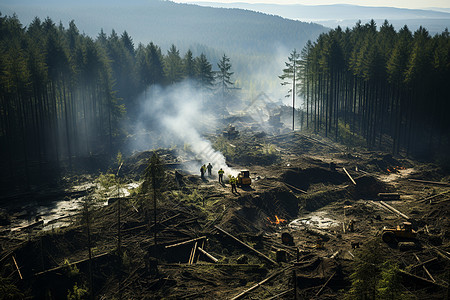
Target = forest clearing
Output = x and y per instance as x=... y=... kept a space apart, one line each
x=113 y=153
x=288 y=232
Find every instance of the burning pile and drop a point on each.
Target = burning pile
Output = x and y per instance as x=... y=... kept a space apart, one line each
x=277 y=221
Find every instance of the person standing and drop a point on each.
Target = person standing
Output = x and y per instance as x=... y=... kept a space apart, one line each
x=209 y=167
x=233 y=184
x=202 y=171
x=220 y=172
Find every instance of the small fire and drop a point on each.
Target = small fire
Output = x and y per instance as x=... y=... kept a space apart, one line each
x=277 y=220
x=395 y=169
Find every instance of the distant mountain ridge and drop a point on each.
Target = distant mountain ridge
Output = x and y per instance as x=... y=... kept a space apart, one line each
x=165 y=22
x=347 y=15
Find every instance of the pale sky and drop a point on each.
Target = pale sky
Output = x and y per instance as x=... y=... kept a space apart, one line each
x=389 y=3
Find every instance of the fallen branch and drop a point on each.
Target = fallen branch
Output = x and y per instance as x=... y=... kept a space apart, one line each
x=278 y=296
x=434 y=196
x=325 y=284
x=421 y=279
x=18 y=269
x=208 y=255
x=335 y=254
x=297 y=189
x=74 y=263
x=260 y=283
x=351 y=178
x=424 y=268
x=430 y=182
x=423 y=263
x=29 y=226
x=245 y=245
x=395 y=210
x=389 y=196
x=192 y=257
x=186 y=242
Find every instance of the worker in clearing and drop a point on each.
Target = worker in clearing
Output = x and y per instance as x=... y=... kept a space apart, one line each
x=220 y=172
x=209 y=167
x=202 y=171
x=233 y=182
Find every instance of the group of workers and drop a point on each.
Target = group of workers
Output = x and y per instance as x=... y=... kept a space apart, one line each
x=233 y=180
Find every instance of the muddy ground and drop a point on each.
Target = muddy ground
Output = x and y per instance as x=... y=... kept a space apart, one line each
x=314 y=187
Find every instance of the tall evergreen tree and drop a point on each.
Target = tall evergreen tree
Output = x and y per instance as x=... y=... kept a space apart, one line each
x=290 y=76
x=223 y=76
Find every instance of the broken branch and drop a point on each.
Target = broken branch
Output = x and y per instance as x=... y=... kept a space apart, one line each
x=351 y=178
x=293 y=187
x=208 y=255
x=325 y=284
x=186 y=242
x=430 y=182
x=260 y=283
x=18 y=270
x=395 y=210
x=245 y=245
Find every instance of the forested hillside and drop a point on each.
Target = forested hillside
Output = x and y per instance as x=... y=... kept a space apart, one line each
x=387 y=88
x=166 y=22
x=63 y=93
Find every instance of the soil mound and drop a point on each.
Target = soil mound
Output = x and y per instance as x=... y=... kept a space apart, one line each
x=303 y=178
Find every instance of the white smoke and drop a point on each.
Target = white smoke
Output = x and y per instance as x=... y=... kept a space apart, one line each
x=178 y=116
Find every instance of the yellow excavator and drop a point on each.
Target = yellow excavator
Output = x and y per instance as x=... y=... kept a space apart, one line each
x=403 y=231
x=243 y=178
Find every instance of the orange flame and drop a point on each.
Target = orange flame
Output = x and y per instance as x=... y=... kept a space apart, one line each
x=277 y=220
x=395 y=169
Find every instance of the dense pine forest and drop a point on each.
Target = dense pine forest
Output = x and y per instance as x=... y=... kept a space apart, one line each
x=385 y=89
x=63 y=94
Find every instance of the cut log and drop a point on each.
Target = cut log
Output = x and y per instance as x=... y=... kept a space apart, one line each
x=259 y=284
x=245 y=245
x=186 y=242
x=430 y=182
x=192 y=257
x=351 y=178
x=389 y=196
x=395 y=210
x=208 y=255
x=17 y=267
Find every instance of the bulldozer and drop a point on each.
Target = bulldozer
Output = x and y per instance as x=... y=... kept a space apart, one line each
x=403 y=231
x=243 y=178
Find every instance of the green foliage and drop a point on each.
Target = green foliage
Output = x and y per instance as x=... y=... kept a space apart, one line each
x=375 y=83
x=77 y=293
x=71 y=269
x=106 y=181
x=240 y=151
x=389 y=286
x=375 y=275
x=349 y=137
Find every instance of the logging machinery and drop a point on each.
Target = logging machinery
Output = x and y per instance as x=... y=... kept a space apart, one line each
x=243 y=178
x=402 y=231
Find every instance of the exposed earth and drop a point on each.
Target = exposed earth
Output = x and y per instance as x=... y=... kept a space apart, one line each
x=313 y=208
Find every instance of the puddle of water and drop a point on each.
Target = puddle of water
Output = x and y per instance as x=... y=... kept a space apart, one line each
x=316 y=219
x=61 y=212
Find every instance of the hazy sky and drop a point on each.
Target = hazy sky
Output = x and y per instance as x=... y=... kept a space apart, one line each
x=389 y=3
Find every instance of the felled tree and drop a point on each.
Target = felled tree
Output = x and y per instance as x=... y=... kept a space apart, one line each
x=153 y=179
